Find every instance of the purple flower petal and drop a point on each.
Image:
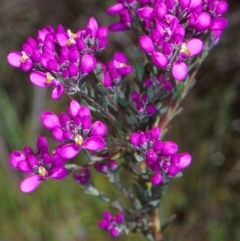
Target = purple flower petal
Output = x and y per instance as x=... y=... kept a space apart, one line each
x=151 y=109
x=179 y=71
x=57 y=91
x=30 y=183
x=184 y=160
x=84 y=111
x=120 y=57
x=116 y=8
x=146 y=44
x=42 y=144
x=38 y=78
x=49 y=120
x=118 y=26
x=27 y=65
x=24 y=167
x=14 y=58
x=145 y=13
x=93 y=26
x=88 y=63
x=74 y=108
x=15 y=157
x=156 y=179
x=169 y=148
x=98 y=129
x=195 y=46
x=160 y=60
x=218 y=23
x=94 y=143
x=194 y=4
x=58 y=134
x=58 y=173
x=204 y=21
x=134 y=139
x=69 y=151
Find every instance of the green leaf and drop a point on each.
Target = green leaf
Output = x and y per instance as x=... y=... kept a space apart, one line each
x=151 y=92
x=140 y=158
x=139 y=192
x=149 y=236
x=134 y=119
x=101 y=89
x=123 y=102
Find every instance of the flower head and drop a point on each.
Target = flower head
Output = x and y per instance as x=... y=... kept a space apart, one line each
x=39 y=166
x=75 y=130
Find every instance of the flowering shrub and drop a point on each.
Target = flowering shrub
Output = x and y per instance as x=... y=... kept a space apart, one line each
x=119 y=120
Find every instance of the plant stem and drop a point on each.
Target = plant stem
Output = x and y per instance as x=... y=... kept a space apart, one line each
x=174 y=103
x=110 y=116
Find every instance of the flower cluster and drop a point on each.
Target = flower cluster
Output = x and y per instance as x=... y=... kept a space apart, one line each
x=83 y=177
x=162 y=158
x=175 y=29
x=60 y=58
x=114 y=225
x=140 y=103
x=200 y=15
x=106 y=167
x=39 y=166
x=115 y=70
x=75 y=130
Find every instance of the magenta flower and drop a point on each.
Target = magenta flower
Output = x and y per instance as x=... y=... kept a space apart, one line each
x=162 y=158
x=61 y=58
x=83 y=177
x=39 y=166
x=75 y=130
x=114 y=225
x=141 y=105
x=115 y=71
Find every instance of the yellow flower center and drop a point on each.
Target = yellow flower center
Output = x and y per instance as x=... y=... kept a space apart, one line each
x=122 y=65
x=72 y=36
x=42 y=171
x=24 y=57
x=49 y=78
x=78 y=140
x=185 y=49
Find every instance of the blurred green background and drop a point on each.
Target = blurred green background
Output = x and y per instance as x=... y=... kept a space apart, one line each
x=206 y=200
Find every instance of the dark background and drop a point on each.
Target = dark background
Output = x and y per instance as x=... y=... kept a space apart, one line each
x=206 y=200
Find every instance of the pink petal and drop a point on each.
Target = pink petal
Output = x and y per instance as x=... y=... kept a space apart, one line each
x=49 y=120
x=74 y=108
x=38 y=78
x=179 y=71
x=116 y=8
x=160 y=60
x=146 y=13
x=169 y=148
x=24 y=167
x=146 y=44
x=118 y=26
x=62 y=39
x=94 y=143
x=42 y=144
x=195 y=46
x=88 y=63
x=93 y=26
x=120 y=57
x=98 y=129
x=14 y=58
x=30 y=183
x=185 y=160
x=218 y=23
x=57 y=91
x=15 y=157
x=69 y=151
x=58 y=173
